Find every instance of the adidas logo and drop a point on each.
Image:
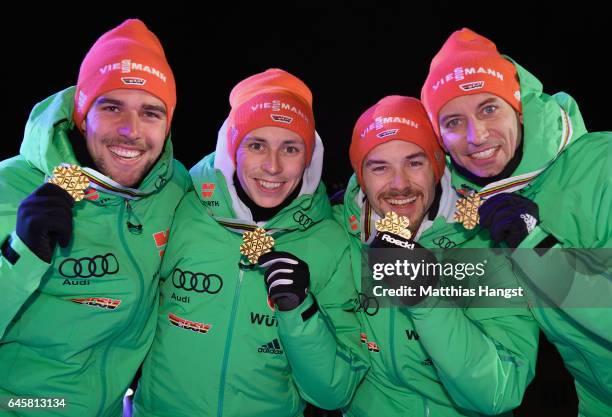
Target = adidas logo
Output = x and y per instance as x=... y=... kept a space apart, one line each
x=272 y=347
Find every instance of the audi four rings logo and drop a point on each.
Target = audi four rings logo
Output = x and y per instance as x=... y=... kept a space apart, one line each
x=302 y=219
x=444 y=243
x=197 y=281
x=85 y=267
x=368 y=305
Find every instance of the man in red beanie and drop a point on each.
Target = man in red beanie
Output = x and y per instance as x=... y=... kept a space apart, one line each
x=545 y=182
x=423 y=359
x=257 y=286
x=95 y=175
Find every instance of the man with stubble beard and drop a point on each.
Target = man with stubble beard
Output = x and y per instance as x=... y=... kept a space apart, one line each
x=76 y=319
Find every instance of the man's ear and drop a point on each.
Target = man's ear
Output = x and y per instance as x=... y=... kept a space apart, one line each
x=84 y=125
x=521 y=118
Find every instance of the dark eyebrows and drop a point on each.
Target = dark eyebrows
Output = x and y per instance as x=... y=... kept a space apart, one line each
x=293 y=142
x=371 y=162
x=486 y=102
x=419 y=154
x=103 y=100
x=154 y=107
x=147 y=107
x=254 y=139
x=415 y=155
x=447 y=117
x=285 y=142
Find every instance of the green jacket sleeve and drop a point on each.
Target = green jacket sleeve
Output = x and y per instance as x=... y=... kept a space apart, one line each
x=322 y=343
x=21 y=271
x=19 y=277
x=485 y=366
x=484 y=356
x=575 y=199
x=578 y=281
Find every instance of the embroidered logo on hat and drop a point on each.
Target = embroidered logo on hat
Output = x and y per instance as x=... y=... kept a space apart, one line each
x=460 y=73
x=472 y=86
x=281 y=119
x=128 y=56
x=386 y=133
x=461 y=67
x=277 y=105
x=267 y=99
x=394 y=118
x=381 y=121
x=126 y=66
x=81 y=101
x=133 y=81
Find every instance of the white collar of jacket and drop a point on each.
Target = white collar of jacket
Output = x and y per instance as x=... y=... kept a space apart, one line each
x=310 y=178
x=446 y=209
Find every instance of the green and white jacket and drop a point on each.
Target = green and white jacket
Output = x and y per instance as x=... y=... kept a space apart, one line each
x=220 y=349
x=79 y=328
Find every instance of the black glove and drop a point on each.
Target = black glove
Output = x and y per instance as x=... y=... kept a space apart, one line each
x=287 y=279
x=408 y=250
x=44 y=218
x=509 y=218
x=391 y=241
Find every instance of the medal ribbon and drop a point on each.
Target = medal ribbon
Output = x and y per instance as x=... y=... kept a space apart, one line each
x=101 y=182
x=511 y=184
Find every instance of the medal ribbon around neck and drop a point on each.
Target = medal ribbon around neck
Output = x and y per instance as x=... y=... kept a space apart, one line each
x=103 y=183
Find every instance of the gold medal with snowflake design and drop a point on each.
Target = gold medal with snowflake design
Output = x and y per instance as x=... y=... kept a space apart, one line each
x=256 y=243
x=392 y=223
x=72 y=179
x=466 y=209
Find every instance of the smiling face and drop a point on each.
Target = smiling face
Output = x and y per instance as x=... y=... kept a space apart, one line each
x=270 y=164
x=125 y=132
x=398 y=177
x=481 y=132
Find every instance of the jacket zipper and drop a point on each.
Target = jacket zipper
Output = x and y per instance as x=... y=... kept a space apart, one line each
x=103 y=376
x=392 y=329
x=228 y=343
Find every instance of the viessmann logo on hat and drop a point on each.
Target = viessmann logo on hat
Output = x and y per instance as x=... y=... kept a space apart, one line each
x=460 y=73
x=276 y=106
x=380 y=122
x=126 y=66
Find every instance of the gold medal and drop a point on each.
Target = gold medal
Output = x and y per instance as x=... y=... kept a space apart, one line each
x=256 y=243
x=466 y=209
x=392 y=223
x=72 y=179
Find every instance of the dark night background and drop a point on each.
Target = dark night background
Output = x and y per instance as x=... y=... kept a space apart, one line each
x=350 y=54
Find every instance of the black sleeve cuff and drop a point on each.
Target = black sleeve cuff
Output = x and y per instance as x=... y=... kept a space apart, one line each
x=310 y=311
x=547 y=243
x=8 y=253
